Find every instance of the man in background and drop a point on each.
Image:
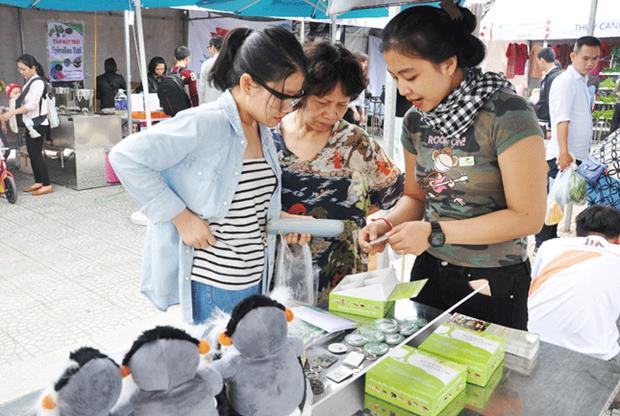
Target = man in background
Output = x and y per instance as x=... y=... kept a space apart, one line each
x=546 y=62
x=570 y=114
x=574 y=298
x=206 y=91
x=181 y=67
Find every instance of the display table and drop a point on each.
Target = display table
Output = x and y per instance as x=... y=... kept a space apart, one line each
x=563 y=383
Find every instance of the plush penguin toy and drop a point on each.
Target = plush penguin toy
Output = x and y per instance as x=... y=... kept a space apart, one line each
x=263 y=373
x=89 y=386
x=164 y=364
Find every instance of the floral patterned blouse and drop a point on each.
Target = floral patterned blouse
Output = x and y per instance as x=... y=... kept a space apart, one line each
x=348 y=177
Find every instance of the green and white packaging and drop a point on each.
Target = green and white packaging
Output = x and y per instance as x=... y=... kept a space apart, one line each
x=371 y=294
x=415 y=381
x=379 y=407
x=481 y=353
x=478 y=397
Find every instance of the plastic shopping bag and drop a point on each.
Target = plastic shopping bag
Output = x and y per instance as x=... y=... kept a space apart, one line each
x=559 y=196
x=294 y=271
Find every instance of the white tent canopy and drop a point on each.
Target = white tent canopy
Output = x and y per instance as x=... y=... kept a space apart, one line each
x=549 y=19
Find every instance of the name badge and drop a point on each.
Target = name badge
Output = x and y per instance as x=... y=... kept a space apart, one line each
x=466 y=161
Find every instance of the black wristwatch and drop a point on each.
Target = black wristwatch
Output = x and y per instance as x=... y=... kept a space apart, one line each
x=437 y=237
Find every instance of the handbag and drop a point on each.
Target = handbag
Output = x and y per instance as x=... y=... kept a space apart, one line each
x=591 y=170
x=606 y=192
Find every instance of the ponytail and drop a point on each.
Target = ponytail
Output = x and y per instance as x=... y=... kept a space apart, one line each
x=271 y=54
x=30 y=61
x=222 y=75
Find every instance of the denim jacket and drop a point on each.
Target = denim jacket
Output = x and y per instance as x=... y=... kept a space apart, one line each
x=192 y=160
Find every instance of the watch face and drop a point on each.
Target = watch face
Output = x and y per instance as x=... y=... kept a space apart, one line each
x=437 y=239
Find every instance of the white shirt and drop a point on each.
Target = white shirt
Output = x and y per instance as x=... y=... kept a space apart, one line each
x=574 y=298
x=207 y=92
x=569 y=100
x=33 y=99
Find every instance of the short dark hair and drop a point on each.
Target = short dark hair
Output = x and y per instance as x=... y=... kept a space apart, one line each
x=432 y=34
x=598 y=219
x=181 y=52
x=156 y=61
x=586 y=41
x=269 y=54
x=109 y=65
x=361 y=57
x=331 y=64
x=216 y=42
x=547 y=55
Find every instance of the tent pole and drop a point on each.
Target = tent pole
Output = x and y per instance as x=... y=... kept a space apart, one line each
x=20 y=24
x=142 y=62
x=592 y=20
x=389 y=117
x=128 y=69
x=94 y=62
x=389 y=124
x=334 y=28
x=302 y=33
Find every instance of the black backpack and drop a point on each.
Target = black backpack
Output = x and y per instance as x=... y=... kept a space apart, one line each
x=171 y=93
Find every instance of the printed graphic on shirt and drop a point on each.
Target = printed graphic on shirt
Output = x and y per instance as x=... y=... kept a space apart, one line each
x=460 y=176
x=441 y=180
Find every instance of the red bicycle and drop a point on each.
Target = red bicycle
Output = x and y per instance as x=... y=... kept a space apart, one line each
x=7 y=181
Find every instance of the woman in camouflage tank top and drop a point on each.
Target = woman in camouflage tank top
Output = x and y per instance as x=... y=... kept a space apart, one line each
x=475 y=168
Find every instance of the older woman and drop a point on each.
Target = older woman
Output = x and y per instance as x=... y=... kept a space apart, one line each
x=330 y=168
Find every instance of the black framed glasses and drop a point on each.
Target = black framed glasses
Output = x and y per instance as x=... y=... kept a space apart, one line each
x=292 y=99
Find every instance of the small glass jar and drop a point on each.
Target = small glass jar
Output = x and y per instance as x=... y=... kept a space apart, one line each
x=386 y=325
x=355 y=340
x=371 y=334
x=394 y=339
x=376 y=349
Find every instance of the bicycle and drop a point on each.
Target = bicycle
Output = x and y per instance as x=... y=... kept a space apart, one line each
x=7 y=181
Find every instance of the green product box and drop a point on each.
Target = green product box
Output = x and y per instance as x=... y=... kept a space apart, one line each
x=481 y=353
x=478 y=397
x=371 y=294
x=416 y=381
x=379 y=407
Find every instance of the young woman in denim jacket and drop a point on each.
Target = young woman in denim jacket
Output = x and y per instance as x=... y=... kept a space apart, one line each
x=192 y=172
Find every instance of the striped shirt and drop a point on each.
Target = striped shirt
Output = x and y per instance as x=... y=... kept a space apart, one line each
x=237 y=259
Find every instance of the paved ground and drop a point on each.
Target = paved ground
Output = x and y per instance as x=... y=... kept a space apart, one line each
x=69 y=276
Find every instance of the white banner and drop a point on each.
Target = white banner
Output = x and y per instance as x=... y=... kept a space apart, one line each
x=549 y=19
x=65 y=51
x=202 y=29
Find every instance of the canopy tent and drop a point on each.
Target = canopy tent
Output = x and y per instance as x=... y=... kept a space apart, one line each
x=550 y=19
x=291 y=9
x=92 y=5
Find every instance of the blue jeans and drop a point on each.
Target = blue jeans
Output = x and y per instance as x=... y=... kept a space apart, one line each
x=206 y=298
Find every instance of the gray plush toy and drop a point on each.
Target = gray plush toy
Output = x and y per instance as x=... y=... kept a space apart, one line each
x=164 y=363
x=264 y=376
x=89 y=386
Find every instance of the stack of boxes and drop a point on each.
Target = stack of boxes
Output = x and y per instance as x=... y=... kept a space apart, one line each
x=452 y=362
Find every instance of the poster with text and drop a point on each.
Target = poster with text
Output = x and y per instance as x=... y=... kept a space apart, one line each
x=65 y=51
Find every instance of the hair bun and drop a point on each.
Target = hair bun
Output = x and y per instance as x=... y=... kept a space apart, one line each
x=468 y=22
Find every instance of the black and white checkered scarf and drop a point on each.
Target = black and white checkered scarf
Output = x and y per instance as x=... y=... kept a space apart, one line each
x=457 y=112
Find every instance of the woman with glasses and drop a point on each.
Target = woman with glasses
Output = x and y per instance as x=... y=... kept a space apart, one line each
x=208 y=180
x=330 y=168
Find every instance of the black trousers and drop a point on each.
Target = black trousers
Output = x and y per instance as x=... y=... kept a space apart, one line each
x=448 y=283
x=35 y=152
